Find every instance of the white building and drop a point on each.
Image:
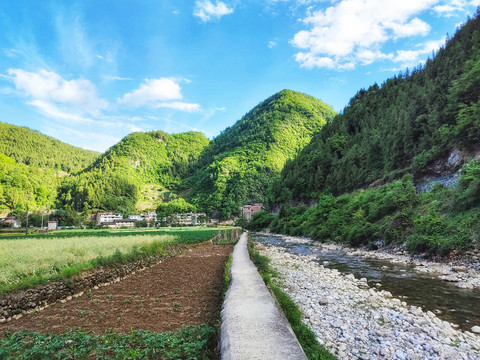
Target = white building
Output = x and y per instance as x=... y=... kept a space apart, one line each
x=108 y=217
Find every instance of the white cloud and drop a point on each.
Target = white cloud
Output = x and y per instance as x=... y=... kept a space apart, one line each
x=49 y=87
x=74 y=42
x=111 y=78
x=208 y=11
x=352 y=31
x=160 y=93
x=54 y=112
x=452 y=7
x=182 y=106
x=410 y=58
x=153 y=90
x=272 y=44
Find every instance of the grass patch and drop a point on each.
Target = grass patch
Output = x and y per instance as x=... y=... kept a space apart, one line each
x=189 y=343
x=226 y=275
x=305 y=335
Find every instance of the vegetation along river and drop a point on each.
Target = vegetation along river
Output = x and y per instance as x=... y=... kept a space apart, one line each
x=458 y=306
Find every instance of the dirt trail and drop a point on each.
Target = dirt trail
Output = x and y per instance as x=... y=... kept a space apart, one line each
x=179 y=291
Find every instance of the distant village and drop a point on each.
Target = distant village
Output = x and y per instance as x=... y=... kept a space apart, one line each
x=150 y=219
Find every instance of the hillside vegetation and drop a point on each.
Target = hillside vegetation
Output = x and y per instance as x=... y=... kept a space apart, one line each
x=32 y=148
x=22 y=186
x=243 y=160
x=402 y=126
x=114 y=181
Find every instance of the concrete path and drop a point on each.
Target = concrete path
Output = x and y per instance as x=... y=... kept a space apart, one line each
x=252 y=325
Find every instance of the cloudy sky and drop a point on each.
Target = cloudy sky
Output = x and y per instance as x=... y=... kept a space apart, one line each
x=89 y=72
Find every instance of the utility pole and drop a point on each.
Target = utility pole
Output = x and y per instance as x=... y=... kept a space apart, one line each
x=26 y=224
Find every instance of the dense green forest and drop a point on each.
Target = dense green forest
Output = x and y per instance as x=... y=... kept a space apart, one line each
x=398 y=130
x=438 y=222
x=240 y=163
x=399 y=127
x=115 y=180
x=22 y=186
x=30 y=147
x=32 y=166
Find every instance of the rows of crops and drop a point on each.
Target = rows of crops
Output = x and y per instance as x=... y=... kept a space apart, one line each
x=25 y=262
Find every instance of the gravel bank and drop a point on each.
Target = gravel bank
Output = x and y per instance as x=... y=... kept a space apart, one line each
x=355 y=321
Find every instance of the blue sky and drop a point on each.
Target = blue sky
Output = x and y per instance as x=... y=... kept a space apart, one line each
x=89 y=72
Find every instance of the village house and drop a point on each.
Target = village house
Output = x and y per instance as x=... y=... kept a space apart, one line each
x=249 y=209
x=188 y=219
x=151 y=218
x=52 y=225
x=107 y=217
x=129 y=223
x=12 y=221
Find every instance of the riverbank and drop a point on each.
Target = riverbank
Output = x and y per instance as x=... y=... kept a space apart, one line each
x=464 y=272
x=356 y=321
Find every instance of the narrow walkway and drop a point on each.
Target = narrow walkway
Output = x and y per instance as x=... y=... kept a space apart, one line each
x=252 y=325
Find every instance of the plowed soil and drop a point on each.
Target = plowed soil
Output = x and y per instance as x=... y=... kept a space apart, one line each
x=180 y=291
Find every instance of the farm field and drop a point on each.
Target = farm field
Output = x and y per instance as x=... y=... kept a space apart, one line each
x=180 y=291
x=25 y=262
x=169 y=310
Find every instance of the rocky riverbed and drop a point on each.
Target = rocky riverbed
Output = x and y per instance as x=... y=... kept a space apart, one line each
x=465 y=273
x=355 y=321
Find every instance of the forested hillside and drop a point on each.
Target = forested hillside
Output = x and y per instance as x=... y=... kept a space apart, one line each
x=400 y=129
x=22 y=186
x=243 y=161
x=30 y=147
x=401 y=126
x=115 y=180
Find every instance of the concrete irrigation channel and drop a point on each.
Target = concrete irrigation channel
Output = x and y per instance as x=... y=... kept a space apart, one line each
x=253 y=327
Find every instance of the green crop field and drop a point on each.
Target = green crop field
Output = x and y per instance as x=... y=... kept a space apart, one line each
x=25 y=262
x=21 y=259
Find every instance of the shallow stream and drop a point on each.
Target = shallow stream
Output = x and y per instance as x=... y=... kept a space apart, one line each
x=458 y=306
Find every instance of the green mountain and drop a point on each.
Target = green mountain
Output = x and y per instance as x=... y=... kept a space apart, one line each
x=32 y=166
x=240 y=163
x=141 y=165
x=30 y=147
x=402 y=126
x=409 y=127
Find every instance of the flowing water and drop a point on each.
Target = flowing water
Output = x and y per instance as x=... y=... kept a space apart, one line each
x=458 y=306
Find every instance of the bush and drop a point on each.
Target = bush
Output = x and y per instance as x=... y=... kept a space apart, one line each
x=260 y=221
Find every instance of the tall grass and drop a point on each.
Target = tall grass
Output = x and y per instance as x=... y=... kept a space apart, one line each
x=25 y=259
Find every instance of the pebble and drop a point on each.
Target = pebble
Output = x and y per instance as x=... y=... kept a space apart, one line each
x=358 y=322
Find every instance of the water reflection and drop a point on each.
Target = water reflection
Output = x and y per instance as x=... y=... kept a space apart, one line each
x=459 y=306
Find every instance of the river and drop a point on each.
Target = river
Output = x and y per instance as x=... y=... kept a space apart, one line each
x=452 y=304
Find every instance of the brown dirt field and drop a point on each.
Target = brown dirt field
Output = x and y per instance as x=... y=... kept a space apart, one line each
x=179 y=291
